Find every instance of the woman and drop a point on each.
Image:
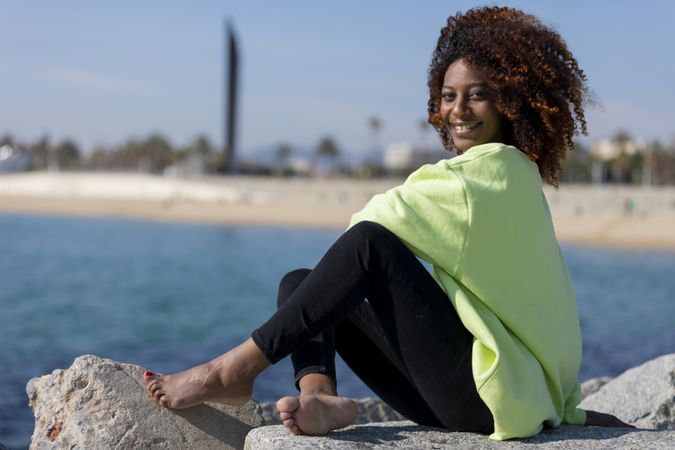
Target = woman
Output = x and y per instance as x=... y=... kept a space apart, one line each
x=490 y=342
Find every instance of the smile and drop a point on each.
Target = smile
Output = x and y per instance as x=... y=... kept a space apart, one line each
x=465 y=127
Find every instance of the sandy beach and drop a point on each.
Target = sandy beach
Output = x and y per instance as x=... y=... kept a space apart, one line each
x=616 y=216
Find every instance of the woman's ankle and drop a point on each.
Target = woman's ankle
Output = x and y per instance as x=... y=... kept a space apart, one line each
x=316 y=383
x=255 y=357
x=242 y=363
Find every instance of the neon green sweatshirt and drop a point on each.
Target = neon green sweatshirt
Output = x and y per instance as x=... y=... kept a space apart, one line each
x=482 y=221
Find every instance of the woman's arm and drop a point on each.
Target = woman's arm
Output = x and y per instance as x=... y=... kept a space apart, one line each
x=598 y=419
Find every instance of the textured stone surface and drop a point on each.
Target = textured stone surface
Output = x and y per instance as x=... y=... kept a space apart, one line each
x=643 y=395
x=370 y=410
x=593 y=385
x=407 y=435
x=101 y=404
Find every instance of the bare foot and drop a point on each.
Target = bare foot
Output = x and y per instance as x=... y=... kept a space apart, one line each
x=316 y=414
x=227 y=379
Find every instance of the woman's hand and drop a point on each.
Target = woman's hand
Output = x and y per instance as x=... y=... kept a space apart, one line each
x=598 y=419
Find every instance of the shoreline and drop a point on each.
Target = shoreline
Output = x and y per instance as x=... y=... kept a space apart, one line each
x=596 y=216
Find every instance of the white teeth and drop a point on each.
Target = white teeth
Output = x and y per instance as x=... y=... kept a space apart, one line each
x=465 y=127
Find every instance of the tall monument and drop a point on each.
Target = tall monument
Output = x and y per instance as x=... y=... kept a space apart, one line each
x=230 y=96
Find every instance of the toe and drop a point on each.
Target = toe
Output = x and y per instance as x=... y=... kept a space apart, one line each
x=289 y=423
x=285 y=416
x=295 y=430
x=149 y=376
x=288 y=404
x=158 y=394
x=154 y=386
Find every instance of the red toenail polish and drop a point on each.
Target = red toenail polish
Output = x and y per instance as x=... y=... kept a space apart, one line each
x=148 y=373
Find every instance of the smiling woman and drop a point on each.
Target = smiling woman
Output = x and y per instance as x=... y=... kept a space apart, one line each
x=491 y=342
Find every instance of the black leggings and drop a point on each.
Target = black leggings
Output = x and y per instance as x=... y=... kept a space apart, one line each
x=405 y=342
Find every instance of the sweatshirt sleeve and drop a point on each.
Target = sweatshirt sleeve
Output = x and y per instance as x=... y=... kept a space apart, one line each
x=428 y=213
x=574 y=415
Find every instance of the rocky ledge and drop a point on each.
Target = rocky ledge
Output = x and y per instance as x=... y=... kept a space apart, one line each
x=408 y=435
x=101 y=404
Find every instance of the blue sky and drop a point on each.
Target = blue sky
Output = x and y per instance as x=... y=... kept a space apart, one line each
x=101 y=73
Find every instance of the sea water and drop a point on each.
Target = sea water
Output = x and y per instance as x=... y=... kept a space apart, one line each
x=169 y=296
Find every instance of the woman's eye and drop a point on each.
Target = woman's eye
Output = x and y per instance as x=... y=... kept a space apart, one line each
x=478 y=95
x=448 y=96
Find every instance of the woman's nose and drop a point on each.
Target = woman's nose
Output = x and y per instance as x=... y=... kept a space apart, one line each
x=461 y=107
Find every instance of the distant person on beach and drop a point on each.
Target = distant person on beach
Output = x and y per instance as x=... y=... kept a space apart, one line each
x=490 y=341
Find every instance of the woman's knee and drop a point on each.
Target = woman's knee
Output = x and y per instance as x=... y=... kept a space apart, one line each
x=369 y=231
x=289 y=283
x=368 y=236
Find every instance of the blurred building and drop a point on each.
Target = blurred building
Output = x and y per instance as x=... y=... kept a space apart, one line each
x=194 y=165
x=402 y=158
x=299 y=166
x=606 y=149
x=611 y=158
x=14 y=159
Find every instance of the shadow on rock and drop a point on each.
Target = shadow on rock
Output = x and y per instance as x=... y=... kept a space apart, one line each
x=217 y=424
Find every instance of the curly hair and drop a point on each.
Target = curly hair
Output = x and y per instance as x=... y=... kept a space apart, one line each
x=535 y=81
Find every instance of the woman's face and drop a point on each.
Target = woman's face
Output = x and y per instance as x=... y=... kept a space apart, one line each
x=468 y=109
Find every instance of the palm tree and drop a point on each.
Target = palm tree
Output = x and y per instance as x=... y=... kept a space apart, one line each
x=620 y=164
x=375 y=125
x=202 y=146
x=327 y=149
x=6 y=139
x=283 y=153
x=424 y=134
x=67 y=154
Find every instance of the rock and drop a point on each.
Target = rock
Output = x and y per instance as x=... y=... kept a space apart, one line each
x=370 y=410
x=593 y=385
x=269 y=414
x=643 y=395
x=375 y=410
x=407 y=435
x=101 y=404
